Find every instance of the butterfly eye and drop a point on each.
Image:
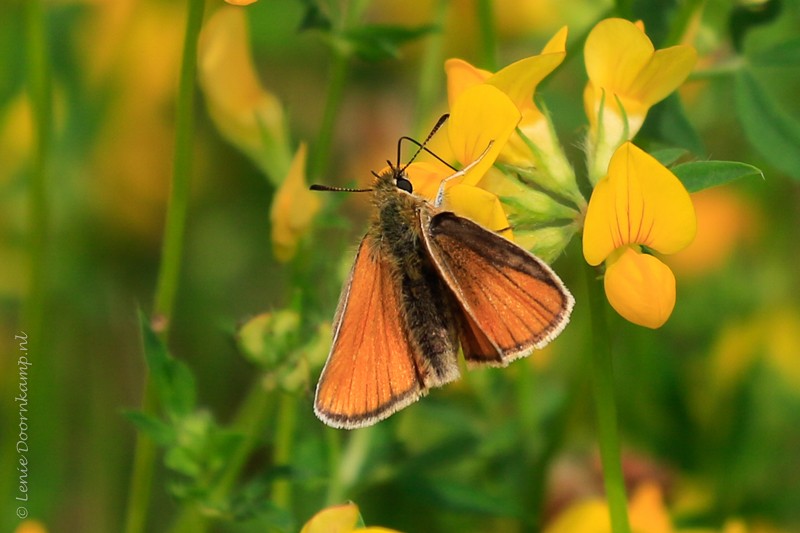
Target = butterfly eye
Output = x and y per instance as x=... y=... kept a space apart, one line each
x=404 y=184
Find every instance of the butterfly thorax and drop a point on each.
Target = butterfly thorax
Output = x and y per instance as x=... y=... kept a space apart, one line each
x=396 y=223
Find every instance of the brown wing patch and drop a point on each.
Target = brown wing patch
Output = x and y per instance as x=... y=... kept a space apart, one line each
x=476 y=345
x=508 y=294
x=370 y=372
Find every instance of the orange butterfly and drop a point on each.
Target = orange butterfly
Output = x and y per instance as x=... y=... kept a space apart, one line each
x=424 y=282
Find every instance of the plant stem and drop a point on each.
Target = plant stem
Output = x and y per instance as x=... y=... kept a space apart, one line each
x=488 y=36
x=39 y=91
x=431 y=72
x=603 y=388
x=249 y=421
x=346 y=471
x=166 y=287
x=172 y=248
x=284 y=444
x=336 y=83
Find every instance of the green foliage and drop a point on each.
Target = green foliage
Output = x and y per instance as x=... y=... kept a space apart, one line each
x=368 y=42
x=173 y=381
x=767 y=126
x=382 y=42
x=699 y=175
x=667 y=122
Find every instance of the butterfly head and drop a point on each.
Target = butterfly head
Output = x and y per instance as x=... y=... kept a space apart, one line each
x=392 y=179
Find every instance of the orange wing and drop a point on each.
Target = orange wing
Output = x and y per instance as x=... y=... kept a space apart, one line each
x=511 y=300
x=370 y=372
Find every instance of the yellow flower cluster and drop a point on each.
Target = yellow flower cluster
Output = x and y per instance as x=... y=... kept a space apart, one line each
x=638 y=206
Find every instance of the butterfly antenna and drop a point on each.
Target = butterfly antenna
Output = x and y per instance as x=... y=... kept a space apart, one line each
x=329 y=188
x=421 y=145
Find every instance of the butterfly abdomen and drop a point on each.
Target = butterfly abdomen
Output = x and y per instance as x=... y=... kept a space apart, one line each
x=425 y=302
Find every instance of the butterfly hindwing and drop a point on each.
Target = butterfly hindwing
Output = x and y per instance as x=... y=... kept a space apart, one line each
x=511 y=300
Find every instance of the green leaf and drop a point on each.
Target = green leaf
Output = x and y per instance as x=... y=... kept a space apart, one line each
x=769 y=129
x=748 y=15
x=786 y=53
x=699 y=175
x=667 y=122
x=172 y=379
x=314 y=18
x=378 y=42
x=153 y=427
x=668 y=156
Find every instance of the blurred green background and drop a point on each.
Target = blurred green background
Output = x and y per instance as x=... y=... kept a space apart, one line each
x=709 y=405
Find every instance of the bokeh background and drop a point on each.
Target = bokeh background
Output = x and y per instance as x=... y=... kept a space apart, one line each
x=709 y=405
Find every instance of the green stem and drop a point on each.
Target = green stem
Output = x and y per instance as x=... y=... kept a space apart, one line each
x=333 y=441
x=487 y=35
x=603 y=388
x=346 y=471
x=336 y=83
x=720 y=70
x=172 y=248
x=166 y=287
x=142 y=478
x=39 y=90
x=284 y=444
x=250 y=422
x=431 y=72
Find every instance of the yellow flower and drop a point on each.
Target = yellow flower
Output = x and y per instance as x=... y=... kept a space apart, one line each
x=639 y=203
x=482 y=117
x=339 y=519
x=647 y=514
x=293 y=208
x=534 y=145
x=241 y=2
x=30 y=526
x=247 y=115
x=627 y=76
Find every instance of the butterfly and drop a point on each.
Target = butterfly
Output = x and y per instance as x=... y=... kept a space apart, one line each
x=426 y=281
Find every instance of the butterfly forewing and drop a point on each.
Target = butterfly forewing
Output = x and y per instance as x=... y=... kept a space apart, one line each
x=512 y=301
x=369 y=373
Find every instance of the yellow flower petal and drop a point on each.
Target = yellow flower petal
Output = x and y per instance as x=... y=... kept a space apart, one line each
x=665 y=72
x=640 y=287
x=647 y=511
x=639 y=202
x=478 y=205
x=615 y=52
x=461 y=76
x=249 y=117
x=337 y=519
x=621 y=61
x=293 y=208
x=519 y=80
x=241 y=2
x=426 y=177
x=557 y=43
x=482 y=115
x=585 y=517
